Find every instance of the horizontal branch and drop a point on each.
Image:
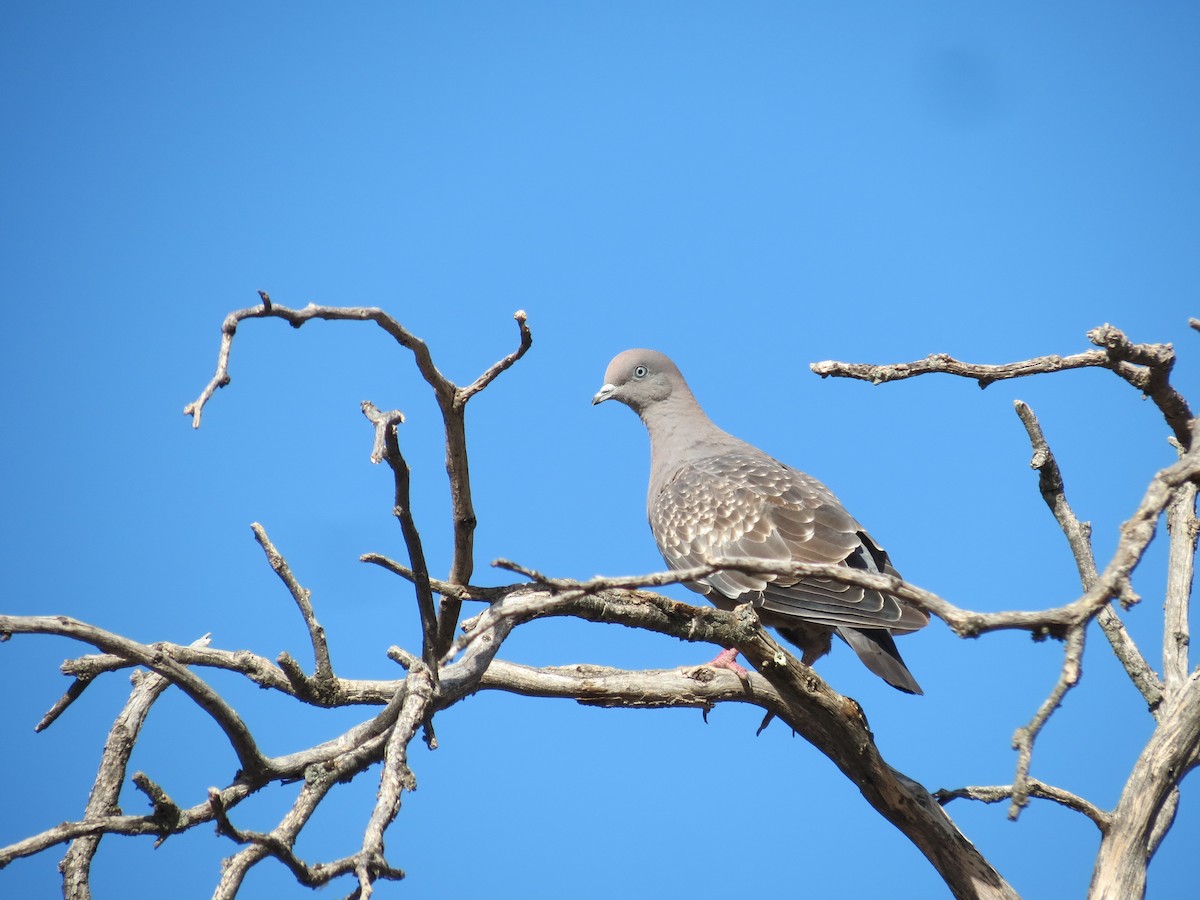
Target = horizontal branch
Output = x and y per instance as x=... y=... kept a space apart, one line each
x=1146 y=367
x=943 y=363
x=257 y=669
x=442 y=386
x=691 y=687
x=1032 y=787
x=119 y=824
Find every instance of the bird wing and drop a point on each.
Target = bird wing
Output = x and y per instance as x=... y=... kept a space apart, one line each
x=750 y=505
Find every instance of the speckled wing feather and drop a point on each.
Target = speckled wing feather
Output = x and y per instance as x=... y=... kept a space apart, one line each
x=749 y=505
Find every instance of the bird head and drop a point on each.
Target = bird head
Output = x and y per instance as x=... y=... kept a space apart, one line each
x=639 y=378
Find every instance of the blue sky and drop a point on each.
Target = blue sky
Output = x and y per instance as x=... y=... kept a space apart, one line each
x=748 y=187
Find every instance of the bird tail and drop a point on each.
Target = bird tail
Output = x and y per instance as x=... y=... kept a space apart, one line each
x=878 y=652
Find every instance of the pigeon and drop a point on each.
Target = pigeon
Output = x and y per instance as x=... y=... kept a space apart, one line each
x=713 y=496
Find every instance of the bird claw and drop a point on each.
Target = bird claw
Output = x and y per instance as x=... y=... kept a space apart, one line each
x=727 y=659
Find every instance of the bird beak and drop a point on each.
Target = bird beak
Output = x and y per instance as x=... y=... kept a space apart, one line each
x=605 y=392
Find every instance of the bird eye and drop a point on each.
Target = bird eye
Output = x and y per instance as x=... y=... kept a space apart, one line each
x=639 y=372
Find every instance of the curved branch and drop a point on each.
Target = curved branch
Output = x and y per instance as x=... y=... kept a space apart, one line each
x=252 y=761
x=493 y=371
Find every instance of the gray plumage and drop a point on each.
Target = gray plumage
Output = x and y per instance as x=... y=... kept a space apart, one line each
x=713 y=496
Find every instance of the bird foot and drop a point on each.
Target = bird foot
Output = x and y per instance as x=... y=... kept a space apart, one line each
x=727 y=659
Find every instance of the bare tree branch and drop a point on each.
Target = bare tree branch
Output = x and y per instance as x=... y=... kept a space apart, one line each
x=396 y=776
x=1136 y=533
x=166 y=811
x=240 y=738
x=318 y=780
x=1079 y=538
x=1145 y=366
x=493 y=371
x=323 y=675
x=1182 y=528
x=694 y=687
x=118 y=824
x=1150 y=373
x=73 y=693
x=402 y=510
x=832 y=723
x=1032 y=788
x=1133 y=835
x=462 y=508
x=1025 y=736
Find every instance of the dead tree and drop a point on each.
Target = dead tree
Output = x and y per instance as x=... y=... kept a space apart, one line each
x=457 y=658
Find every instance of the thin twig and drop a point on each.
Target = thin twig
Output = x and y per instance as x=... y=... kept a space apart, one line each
x=118 y=824
x=166 y=811
x=73 y=693
x=459 y=591
x=493 y=371
x=323 y=674
x=1032 y=788
x=983 y=373
x=1024 y=737
x=1146 y=367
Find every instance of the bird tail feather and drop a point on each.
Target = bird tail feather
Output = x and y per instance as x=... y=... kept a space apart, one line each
x=878 y=652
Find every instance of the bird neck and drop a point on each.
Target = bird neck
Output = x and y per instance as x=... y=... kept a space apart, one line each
x=679 y=432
